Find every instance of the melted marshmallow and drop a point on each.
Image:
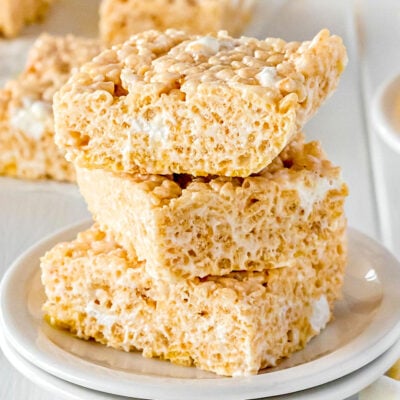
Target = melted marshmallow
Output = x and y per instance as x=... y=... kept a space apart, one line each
x=102 y=319
x=128 y=76
x=31 y=118
x=206 y=45
x=267 y=77
x=156 y=128
x=309 y=195
x=321 y=314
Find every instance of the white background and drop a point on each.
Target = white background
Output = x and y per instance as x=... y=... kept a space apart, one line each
x=371 y=31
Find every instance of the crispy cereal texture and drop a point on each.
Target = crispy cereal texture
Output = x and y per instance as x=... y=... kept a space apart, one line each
x=119 y=19
x=27 y=148
x=232 y=325
x=14 y=14
x=166 y=103
x=187 y=227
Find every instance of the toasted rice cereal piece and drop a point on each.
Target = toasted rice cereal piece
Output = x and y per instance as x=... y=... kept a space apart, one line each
x=119 y=19
x=14 y=14
x=166 y=103
x=394 y=372
x=231 y=325
x=187 y=227
x=27 y=148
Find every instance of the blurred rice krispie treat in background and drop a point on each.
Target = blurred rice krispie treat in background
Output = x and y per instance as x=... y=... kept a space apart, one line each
x=119 y=19
x=14 y=14
x=27 y=148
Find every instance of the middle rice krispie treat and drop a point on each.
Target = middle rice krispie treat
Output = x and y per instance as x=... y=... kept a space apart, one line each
x=119 y=19
x=169 y=102
x=231 y=325
x=187 y=227
x=27 y=148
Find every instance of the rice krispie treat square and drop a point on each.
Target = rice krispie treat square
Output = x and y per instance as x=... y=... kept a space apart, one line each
x=187 y=227
x=231 y=325
x=169 y=102
x=119 y=19
x=14 y=14
x=27 y=148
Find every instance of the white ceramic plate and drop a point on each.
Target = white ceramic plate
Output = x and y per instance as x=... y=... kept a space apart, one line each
x=336 y=390
x=367 y=323
x=62 y=389
x=384 y=388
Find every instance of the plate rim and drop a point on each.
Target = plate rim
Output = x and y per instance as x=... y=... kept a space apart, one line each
x=348 y=385
x=144 y=385
x=48 y=382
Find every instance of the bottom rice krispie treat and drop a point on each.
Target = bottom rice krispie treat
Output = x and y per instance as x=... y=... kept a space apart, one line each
x=232 y=325
x=27 y=148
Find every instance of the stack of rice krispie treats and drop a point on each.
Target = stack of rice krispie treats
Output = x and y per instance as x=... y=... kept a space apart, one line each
x=219 y=235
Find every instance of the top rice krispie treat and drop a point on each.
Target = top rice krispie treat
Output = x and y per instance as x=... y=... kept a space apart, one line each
x=14 y=14
x=27 y=148
x=169 y=102
x=119 y=19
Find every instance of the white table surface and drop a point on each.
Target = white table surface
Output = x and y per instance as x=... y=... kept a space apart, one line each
x=371 y=31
